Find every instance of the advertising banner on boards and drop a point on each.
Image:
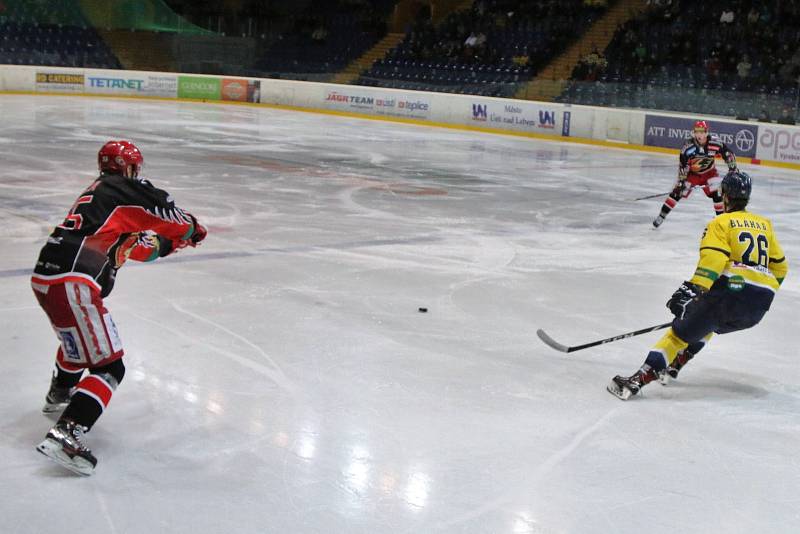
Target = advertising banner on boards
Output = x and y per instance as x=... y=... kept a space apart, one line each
x=673 y=132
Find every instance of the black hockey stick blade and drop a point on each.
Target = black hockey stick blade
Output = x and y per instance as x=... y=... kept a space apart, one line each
x=551 y=342
x=563 y=348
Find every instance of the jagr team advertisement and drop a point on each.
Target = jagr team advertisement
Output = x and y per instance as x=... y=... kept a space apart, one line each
x=381 y=103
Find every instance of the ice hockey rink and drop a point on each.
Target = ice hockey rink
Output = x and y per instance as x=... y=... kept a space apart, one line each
x=281 y=379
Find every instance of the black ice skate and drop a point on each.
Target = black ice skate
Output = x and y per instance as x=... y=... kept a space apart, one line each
x=57 y=397
x=681 y=359
x=626 y=387
x=657 y=221
x=63 y=445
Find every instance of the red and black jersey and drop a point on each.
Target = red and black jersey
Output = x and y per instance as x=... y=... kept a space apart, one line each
x=699 y=159
x=114 y=219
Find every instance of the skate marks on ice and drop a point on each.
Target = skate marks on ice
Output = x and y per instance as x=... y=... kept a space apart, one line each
x=271 y=371
x=530 y=482
x=712 y=385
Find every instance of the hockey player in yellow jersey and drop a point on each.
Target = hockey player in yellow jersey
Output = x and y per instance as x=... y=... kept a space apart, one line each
x=741 y=267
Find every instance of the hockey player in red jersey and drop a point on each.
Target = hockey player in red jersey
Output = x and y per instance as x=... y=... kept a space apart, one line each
x=120 y=216
x=697 y=169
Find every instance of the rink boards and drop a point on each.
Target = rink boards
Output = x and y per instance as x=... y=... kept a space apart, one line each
x=769 y=144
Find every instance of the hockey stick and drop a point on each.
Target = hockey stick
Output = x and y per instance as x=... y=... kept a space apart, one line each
x=563 y=348
x=654 y=196
x=660 y=194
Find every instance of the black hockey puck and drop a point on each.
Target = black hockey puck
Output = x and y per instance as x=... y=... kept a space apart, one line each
x=423 y=310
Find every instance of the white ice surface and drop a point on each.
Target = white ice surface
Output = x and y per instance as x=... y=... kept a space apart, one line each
x=280 y=378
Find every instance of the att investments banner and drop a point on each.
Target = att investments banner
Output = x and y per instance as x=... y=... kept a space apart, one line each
x=673 y=132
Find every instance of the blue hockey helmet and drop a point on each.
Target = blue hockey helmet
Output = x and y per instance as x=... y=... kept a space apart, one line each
x=737 y=185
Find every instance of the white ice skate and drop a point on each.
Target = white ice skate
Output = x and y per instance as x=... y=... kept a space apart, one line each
x=63 y=445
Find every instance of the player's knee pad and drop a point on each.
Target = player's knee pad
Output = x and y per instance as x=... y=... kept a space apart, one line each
x=665 y=350
x=712 y=184
x=657 y=359
x=113 y=373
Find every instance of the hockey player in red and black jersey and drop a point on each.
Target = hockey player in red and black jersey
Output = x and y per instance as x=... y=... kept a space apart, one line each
x=697 y=169
x=120 y=216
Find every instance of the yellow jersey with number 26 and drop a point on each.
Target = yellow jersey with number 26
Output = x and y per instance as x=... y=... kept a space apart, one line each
x=743 y=247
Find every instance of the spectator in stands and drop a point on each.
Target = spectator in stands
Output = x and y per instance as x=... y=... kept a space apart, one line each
x=640 y=52
x=743 y=68
x=765 y=16
x=787 y=117
x=713 y=66
x=592 y=65
x=727 y=16
x=319 y=34
x=472 y=40
x=521 y=60
x=763 y=116
x=753 y=16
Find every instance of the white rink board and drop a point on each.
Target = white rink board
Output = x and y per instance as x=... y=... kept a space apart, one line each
x=775 y=143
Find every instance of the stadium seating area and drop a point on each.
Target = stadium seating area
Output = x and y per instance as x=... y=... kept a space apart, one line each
x=725 y=59
x=737 y=59
x=52 y=34
x=489 y=49
x=53 y=45
x=324 y=39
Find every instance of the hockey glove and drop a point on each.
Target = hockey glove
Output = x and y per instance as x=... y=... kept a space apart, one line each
x=198 y=234
x=682 y=189
x=680 y=301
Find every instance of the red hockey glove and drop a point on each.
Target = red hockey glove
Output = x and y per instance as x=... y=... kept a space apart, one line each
x=200 y=232
x=198 y=235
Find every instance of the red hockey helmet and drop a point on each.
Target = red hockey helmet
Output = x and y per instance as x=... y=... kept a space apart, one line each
x=120 y=157
x=700 y=126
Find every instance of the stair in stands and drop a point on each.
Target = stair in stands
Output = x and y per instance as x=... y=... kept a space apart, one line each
x=405 y=11
x=440 y=9
x=352 y=71
x=141 y=50
x=551 y=81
